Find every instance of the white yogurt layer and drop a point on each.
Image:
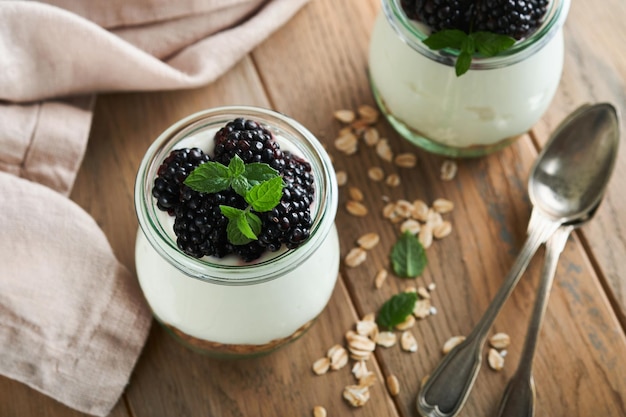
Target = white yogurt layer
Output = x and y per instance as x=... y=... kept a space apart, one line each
x=481 y=107
x=240 y=314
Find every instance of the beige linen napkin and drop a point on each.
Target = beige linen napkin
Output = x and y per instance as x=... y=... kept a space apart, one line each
x=72 y=319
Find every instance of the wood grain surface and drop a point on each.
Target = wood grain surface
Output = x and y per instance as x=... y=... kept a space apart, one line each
x=313 y=66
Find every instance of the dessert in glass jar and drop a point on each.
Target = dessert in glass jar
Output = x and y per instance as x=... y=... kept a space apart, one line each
x=237 y=251
x=496 y=100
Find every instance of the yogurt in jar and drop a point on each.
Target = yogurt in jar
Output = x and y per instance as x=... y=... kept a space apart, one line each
x=225 y=306
x=483 y=110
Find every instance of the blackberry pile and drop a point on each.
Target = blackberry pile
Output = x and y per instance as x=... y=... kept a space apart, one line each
x=199 y=225
x=515 y=18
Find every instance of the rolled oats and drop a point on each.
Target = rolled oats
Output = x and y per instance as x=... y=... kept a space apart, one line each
x=392 y=180
x=342 y=178
x=393 y=385
x=366 y=328
x=426 y=236
x=321 y=366
x=451 y=343
x=368 y=113
x=355 y=257
x=367 y=380
x=443 y=206
x=376 y=173
x=359 y=369
x=389 y=211
x=420 y=210
x=422 y=308
x=442 y=230
x=319 y=411
x=384 y=150
x=423 y=292
x=356 y=208
x=347 y=143
x=433 y=218
x=371 y=136
x=380 y=278
x=448 y=170
x=411 y=225
x=386 y=339
x=407 y=323
x=360 y=343
x=405 y=160
x=369 y=317
x=408 y=342
x=356 y=395
x=368 y=241
x=339 y=358
x=496 y=361
x=344 y=116
x=404 y=208
x=500 y=341
x=355 y=193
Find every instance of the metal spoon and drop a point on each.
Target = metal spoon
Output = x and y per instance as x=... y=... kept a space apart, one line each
x=566 y=182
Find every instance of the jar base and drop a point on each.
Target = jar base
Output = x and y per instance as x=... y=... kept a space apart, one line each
x=232 y=351
x=432 y=146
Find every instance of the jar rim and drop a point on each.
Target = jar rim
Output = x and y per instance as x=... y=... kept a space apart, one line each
x=413 y=36
x=324 y=206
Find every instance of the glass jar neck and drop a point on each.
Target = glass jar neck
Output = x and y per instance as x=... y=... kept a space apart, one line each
x=413 y=34
x=159 y=235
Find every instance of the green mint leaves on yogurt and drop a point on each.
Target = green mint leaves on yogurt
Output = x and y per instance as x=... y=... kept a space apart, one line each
x=486 y=44
x=395 y=310
x=408 y=257
x=258 y=183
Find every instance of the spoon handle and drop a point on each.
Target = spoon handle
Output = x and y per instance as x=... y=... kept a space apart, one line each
x=448 y=387
x=519 y=397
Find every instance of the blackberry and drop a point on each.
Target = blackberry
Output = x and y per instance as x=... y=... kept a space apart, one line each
x=171 y=174
x=249 y=140
x=515 y=18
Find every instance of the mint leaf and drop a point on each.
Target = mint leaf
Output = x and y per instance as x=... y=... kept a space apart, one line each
x=408 y=257
x=241 y=185
x=491 y=44
x=463 y=63
x=266 y=195
x=395 y=310
x=243 y=226
x=236 y=167
x=209 y=177
x=448 y=38
x=257 y=172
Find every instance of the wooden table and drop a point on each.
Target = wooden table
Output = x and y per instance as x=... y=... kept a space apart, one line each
x=313 y=66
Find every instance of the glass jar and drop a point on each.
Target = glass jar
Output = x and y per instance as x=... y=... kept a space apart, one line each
x=483 y=110
x=226 y=307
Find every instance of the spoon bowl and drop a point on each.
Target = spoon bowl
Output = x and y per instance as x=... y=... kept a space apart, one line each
x=567 y=181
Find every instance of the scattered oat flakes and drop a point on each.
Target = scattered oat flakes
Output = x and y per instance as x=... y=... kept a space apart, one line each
x=356 y=208
x=410 y=288
x=368 y=241
x=356 y=395
x=407 y=323
x=386 y=339
x=319 y=411
x=404 y=208
x=347 y=143
x=411 y=225
x=366 y=327
x=433 y=218
x=371 y=136
x=420 y=210
x=496 y=361
x=339 y=358
x=426 y=236
x=393 y=180
x=342 y=178
x=368 y=113
x=393 y=385
x=442 y=230
x=442 y=205
x=432 y=286
x=405 y=160
x=451 y=343
x=384 y=150
x=359 y=343
x=422 y=308
x=359 y=369
x=376 y=173
x=408 y=342
x=423 y=292
x=380 y=278
x=503 y=353
x=448 y=170
x=344 y=116
x=433 y=310
x=355 y=257
x=367 y=380
x=369 y=317
x=321 y=366
x=500 y=341
x=355 y=194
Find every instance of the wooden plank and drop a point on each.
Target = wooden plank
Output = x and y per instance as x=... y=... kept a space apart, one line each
x=581 y=338
x=595 y=71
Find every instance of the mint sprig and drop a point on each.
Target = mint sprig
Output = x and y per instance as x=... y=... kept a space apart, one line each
x=395 y=310
x=486 y=44
x=408 y=257
x=258 y=183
